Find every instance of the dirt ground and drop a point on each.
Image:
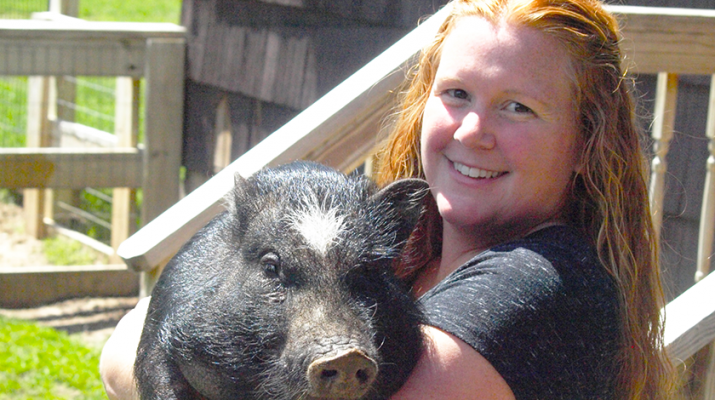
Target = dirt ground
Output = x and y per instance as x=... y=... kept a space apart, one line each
x=90 y=319
x=16 y=248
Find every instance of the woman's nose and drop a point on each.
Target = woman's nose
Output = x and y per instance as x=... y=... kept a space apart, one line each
x=474 y=134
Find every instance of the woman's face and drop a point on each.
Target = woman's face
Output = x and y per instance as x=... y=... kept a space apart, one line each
x=499 y=130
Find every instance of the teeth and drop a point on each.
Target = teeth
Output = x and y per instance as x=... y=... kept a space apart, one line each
x=475 y=172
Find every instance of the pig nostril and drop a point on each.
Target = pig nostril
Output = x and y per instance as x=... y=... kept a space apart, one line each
x=328 y=373
x=363 y=376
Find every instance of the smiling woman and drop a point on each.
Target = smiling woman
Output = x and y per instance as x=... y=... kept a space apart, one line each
x=536 y=263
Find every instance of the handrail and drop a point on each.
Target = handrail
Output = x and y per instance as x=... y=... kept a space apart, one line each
x=690 y=320
x=654 y=39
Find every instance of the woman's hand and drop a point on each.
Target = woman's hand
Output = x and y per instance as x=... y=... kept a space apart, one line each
x=116 y=364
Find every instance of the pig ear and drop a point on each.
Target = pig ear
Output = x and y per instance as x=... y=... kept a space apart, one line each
x=238 y=198
x=403 y=199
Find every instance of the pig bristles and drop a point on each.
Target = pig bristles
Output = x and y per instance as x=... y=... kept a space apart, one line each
x=318 y=224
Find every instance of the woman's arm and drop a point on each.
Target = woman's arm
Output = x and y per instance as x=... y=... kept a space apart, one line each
x=116 y=364
x=451 y=369
x=448 y=368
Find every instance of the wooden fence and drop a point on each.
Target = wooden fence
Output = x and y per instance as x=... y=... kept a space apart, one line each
x=51 y=46
x=339 y=130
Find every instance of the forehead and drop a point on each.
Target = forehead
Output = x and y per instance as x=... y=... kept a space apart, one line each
x=503 y=49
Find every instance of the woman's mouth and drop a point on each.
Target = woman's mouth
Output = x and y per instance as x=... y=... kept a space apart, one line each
x=476 y=172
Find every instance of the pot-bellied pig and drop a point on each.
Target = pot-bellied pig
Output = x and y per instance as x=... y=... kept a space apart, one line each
x=289 y=294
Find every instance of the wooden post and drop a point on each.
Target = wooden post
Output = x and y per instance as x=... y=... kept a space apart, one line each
x=126 y=128
x=222 y=133
x=38 y=135
x=164 y=72
x=707 y=213
x=705 y=243
x=66 y=7
x=664 y=118
x=708 y=387
x=65 y=92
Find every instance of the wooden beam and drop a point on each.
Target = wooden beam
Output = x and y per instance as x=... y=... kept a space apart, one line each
x=666 y=96
x=680 y=41
x=65 y=7
x=73 y=134
x=707 y=212
x=349 y=148
x=69 y=168
x=163 y=134
x=36 y=47
x=38 y=135
x=690 y=320
x=126 y=128
x=163 y=123
x=59 y=57
x=87 y=31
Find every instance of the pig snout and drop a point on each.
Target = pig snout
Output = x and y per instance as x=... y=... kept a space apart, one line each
x=347 y=375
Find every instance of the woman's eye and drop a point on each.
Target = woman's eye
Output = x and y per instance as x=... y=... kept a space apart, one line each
x=519 y=108
x=458 y=94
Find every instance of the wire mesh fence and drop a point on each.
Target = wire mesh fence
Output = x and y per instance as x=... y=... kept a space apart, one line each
x=13 y=89
x=89 y=101
x=91 y=104
x=21 y=9
x=13 y=111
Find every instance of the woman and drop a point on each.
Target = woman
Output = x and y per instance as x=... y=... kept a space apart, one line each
x=536 y=262
x=531 y=96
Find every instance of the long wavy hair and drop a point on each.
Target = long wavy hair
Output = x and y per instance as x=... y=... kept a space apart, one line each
x=609 y=196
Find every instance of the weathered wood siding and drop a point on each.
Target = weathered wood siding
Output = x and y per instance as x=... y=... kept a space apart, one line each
x=271 y=59
x=290 y=55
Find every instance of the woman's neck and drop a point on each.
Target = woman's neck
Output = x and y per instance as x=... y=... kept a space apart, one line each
x=460 y=246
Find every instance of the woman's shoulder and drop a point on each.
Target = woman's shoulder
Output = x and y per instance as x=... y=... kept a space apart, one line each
x=556 y=257
x=541 y=309
x=557 y=244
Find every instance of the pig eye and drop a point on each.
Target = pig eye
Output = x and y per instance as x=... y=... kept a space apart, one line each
x=271 y=264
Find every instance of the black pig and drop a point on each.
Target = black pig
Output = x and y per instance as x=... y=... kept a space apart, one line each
x=288 y=295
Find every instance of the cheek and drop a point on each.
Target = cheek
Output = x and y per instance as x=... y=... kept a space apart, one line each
x=435 y=131
x=430 y=150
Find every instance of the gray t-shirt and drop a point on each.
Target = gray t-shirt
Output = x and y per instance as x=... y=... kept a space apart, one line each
x=542 y=310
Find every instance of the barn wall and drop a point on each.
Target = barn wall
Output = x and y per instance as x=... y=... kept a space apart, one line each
x=271 y=59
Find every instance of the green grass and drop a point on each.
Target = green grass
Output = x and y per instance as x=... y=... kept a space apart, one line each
x=103 y=10
x=13 y=112
x=60 y=250
x=131 y=10
x=42 y=363
x=21 y=8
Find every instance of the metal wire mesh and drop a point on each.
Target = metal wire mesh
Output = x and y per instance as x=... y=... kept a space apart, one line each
x=13 y=111
x=21 y=9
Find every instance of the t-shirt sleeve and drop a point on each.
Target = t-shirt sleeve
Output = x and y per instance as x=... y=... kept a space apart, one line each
x=546 y=321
